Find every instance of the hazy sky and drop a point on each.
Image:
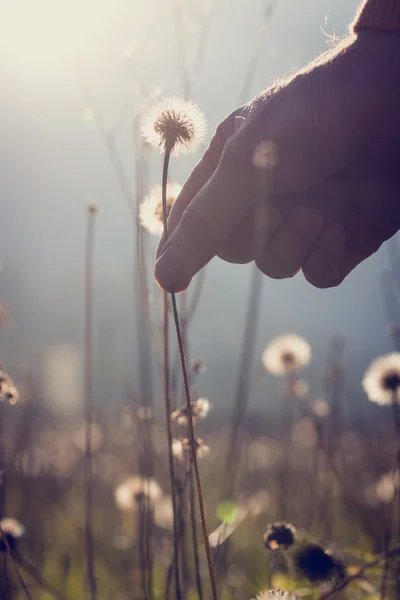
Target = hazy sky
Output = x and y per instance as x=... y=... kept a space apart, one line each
x=53 y=164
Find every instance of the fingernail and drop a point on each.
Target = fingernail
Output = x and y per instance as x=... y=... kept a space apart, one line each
x=171 y=271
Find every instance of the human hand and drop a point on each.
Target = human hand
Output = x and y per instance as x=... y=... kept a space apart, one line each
x=336 y=127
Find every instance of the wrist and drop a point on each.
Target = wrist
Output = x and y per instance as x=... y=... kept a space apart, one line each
x=381 y=15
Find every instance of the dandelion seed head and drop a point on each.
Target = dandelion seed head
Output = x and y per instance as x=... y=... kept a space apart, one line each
x=198 y=366
x=285 y=354
x=11 y=531
x=200 y=409
x=92 y=209
x=128 y=493
x=386 y=487
x=279 y=536
x=151 y=210
x=321 y=408
x=318 y=565
x=381 y=381
x=276 y=594
x=175 y=122
x=180 y=447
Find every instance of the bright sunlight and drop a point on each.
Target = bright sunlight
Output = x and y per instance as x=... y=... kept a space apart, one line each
x=41 y=32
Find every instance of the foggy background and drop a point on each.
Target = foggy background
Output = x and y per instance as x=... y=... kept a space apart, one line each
x=53 y=164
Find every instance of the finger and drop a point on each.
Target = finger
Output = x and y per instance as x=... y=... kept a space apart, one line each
x=241 y=246
x=322 y=266
x=205 y=225
x=292 y=241
x=203 y=170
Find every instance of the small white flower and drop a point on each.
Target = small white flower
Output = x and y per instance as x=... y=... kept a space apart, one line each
x=386 y=487
x=276 y=594
x=133 y=488
x=286 y=353
x=12 y=527
x=151 y=210
x=381 y=381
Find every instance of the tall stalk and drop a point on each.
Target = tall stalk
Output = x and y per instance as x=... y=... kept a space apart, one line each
x=168 y=407
x=192 y=439
x=88 y=404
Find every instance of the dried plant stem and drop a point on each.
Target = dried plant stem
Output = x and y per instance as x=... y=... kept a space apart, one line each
x=194 y=536
x=243 y=383
x=88 y=406
x=34 y=573
x=181 y=48
x=255 y=57
x=360 y=573
x=396 y=419
x=16 y=568
x=168 y=411
x=192 y=439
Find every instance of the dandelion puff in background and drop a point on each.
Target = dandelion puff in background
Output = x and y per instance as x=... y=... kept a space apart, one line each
x=200 y=409
x=11 y=531
x=381 y=381
x=174 y=122
x=180 y=447
x=133 y=489
x=285 y=354
x=279 y=536
x=276 y=594
x=151 y=210
x=317 y=565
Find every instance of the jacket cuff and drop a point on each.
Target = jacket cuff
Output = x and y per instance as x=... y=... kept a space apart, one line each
x=378 y=14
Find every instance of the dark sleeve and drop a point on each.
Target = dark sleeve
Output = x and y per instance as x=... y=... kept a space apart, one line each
x=378 y=14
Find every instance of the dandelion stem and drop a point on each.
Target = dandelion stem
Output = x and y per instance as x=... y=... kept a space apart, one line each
x=88 y=344
x=34 y=573
x=396 y=418
x=194 y=536
x=169 y=435
x=167 y=392
x=16 y=568
x=192 y=440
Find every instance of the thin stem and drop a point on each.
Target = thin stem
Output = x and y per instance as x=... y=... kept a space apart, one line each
x=168 y=411
x=255 y=57
x=369 y=565
x=243 y=384
x=192 y=439
x=396 y=419
x=33 y=572
x=142 y=542
x=15 y=565
x=88 y=409
x=194 y=536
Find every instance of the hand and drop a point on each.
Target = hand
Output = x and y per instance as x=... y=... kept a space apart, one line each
x=335 y=127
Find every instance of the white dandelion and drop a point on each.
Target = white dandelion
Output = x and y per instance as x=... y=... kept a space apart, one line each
x=174 y=123
x=386 y=487
x=12 y=527
x=130 y=491
x=381 y=381
x=276 y=594
x=10 y=531
x=200 y=409
x=151 y=210
x=180 y=447
x=285 y=354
